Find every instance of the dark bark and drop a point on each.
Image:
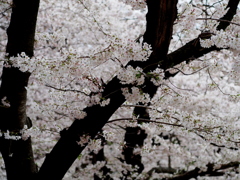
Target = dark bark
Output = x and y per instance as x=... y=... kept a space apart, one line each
x=21 y=30
x=134 y=137
x=18 y=155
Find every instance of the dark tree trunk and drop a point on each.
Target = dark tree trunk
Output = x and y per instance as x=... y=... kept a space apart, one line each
x=17 y=154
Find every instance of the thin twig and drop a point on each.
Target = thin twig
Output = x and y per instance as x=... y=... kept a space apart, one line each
x=144 y=120
x=217 y=84
x=67 y=90
x=189 y=73
x=141 y=106
x=2 y=13
x=181 y=88
x=218 y=20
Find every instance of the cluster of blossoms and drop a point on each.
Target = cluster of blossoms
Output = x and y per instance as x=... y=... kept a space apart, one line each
x=105 y=102
x=23 y=62
x=8 y=135
x=136 y=4
x=109 y=136
x=223 y=39
x=76 y=54
x=93 y=144
x=129 y=75
x=84 y=140
x=134 y=95
x=157 y=77
x=28 y=132
x=186 y=22
x=5 y=102
x=25 y=133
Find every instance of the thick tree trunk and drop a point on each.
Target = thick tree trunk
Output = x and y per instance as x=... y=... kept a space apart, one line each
x=17 y=154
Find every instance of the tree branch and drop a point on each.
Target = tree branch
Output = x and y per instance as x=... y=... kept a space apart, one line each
x=218 y=20
x=193 y=50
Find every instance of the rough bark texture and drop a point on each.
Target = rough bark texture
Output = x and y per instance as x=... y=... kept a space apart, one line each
x=18 y=155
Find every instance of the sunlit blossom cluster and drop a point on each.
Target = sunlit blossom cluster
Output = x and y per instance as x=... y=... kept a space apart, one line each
x=134 y=95
x=130 y=75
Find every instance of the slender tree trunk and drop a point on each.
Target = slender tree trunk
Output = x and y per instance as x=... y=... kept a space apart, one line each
x=17 y=154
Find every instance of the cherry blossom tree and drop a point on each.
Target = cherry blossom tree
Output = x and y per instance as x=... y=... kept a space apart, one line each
x=123 y=89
